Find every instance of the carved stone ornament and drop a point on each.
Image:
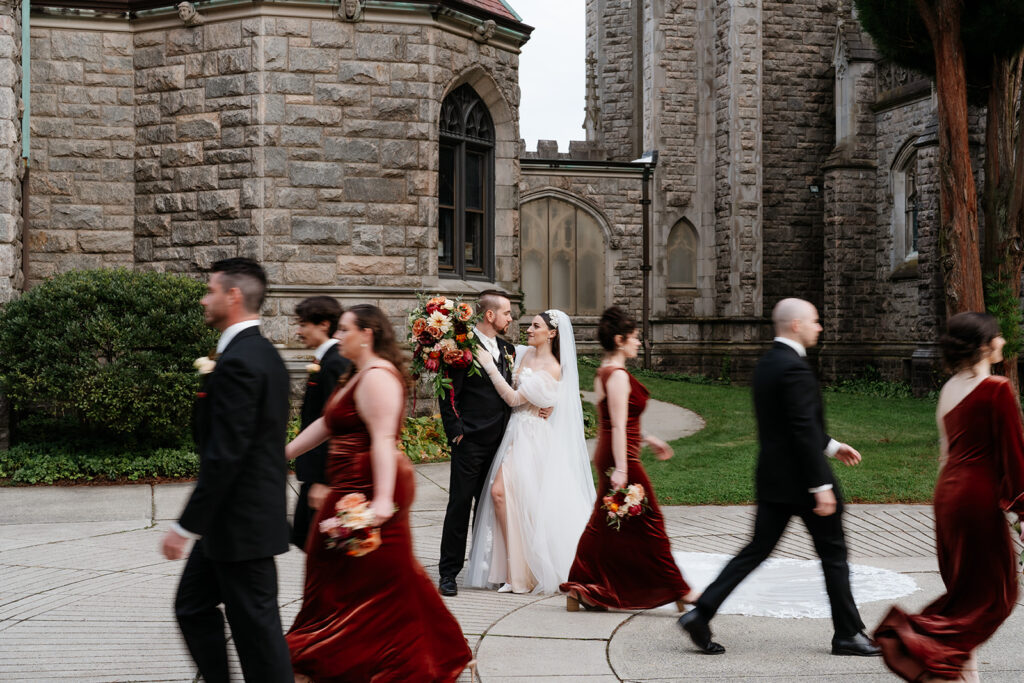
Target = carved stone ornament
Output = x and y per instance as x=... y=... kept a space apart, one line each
x=188 y=14
x=350 y=10
x=485 y=31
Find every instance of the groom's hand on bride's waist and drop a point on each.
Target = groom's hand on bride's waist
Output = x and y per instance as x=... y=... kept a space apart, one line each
x=545 y=412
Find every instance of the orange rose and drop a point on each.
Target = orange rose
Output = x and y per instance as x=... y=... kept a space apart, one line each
x=434 y=332
x=418 y=326
x=367 y=545
x=452 y=356
x=350 y=502
x=464 y=312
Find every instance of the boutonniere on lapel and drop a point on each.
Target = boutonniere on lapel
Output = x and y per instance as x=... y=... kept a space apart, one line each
x=510 y=358
x=204 y=365
x=312 y=369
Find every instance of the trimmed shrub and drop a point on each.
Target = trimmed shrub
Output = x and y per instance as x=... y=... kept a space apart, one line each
x=105 y=356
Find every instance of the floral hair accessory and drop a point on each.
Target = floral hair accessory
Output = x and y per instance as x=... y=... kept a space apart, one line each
x=552 y=318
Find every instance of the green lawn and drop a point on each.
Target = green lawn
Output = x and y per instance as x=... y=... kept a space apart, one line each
x=897 y=438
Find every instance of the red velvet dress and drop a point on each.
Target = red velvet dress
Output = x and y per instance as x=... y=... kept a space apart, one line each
x=983 y=475
x=377 y=617
x=630 y=568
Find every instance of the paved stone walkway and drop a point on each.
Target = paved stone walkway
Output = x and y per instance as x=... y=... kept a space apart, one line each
x=89 y=599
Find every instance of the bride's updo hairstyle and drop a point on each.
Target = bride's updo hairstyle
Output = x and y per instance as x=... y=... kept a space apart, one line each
x=966 y=335
x=369 y=317
x=558 y=335
x=614 y=322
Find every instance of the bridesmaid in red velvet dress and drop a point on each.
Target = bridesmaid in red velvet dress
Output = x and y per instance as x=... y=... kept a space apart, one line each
x=630 y=568
x=982 y=474
x=377 y=617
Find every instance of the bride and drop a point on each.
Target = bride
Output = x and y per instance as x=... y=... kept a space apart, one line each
x=542 y=491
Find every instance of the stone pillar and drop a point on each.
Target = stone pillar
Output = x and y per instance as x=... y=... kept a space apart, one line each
x=11 y=273
x=740 y=175
x=10 y=151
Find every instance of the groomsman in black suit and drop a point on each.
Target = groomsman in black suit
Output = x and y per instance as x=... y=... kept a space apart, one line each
x=474 y=422
x=317 y=322
x=236 y=514
x=793 y=479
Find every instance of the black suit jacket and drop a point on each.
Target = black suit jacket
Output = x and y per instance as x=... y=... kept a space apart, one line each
x=482 y=412
x=791 y=428
x=310 y=465
x=240 y=418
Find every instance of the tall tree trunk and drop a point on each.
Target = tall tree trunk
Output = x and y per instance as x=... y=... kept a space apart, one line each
x=958 y=201
x=1004 y=196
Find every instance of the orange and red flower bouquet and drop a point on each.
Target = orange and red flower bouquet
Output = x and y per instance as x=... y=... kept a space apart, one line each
x=441 y=336
x=627 y=502
x=353 y=526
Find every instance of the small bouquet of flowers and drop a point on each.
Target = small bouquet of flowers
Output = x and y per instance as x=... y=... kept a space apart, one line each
x=630 y=501
x=441 y=337
x=352 y=527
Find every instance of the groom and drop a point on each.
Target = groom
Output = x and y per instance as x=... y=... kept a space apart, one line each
x=236 y=514
x=474 y=419
x=793 y=478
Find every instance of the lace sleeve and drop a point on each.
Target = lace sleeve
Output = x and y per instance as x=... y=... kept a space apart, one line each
x=507 y=393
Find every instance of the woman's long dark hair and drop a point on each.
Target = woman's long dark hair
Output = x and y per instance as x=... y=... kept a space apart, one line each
x=369 y=317
x=558 y=335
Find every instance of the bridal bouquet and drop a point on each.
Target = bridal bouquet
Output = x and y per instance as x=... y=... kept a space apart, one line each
x=442 y=339
x=630 y=501
x=352 y=527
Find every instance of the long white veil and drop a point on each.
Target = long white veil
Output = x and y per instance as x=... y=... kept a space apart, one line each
x=567 y=417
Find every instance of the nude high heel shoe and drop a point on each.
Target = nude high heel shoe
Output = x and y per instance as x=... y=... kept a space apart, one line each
x=571 y=604
x=473 y=677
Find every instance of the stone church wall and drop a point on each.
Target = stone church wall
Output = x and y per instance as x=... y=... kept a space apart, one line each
x=273 y=131
x=82 y=147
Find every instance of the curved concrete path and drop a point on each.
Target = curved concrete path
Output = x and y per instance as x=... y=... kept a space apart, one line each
x=85 y=596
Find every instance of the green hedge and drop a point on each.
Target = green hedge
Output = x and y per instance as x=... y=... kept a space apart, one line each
x=104 y=356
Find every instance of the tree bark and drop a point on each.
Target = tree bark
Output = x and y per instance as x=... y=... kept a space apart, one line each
x=958 y=200
x=1004 y=191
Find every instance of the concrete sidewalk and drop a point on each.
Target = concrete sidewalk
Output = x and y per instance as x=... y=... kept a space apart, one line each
x=85 y=596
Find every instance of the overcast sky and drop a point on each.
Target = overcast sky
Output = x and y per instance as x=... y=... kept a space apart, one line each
x=552 y=71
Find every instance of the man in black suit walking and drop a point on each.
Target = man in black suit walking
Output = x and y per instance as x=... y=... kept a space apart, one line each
x=474 y=419
x=236 y=514
x=793 y=478
x=317 y=322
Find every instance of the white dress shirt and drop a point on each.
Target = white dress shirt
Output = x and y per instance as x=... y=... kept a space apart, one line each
x=490 y=343
x=225 y=338
x=232 y=331
x=322 y=349
x=833 y=446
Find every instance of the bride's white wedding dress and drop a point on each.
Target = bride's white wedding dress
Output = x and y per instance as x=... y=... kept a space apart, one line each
x=549 y=489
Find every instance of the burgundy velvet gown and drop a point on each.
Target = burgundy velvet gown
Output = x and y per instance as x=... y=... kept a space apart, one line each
x=983 y=475
x=377 y=617
x=630 y=568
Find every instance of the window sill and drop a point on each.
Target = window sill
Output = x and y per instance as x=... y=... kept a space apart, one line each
x=907 y=270
x=680 y=292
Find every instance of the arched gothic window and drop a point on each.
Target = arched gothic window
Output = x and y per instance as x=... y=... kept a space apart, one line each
x=465 y=222
x=562 y=251
x=682 y=255
x=906 y=204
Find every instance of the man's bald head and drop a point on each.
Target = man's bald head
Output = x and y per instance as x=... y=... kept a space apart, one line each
x=797 y=319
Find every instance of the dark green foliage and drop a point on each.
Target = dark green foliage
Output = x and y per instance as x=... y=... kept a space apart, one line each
x=870 y=383
x=989 y=28
x=105 y=356
x=1005 y=307
x=54 y=463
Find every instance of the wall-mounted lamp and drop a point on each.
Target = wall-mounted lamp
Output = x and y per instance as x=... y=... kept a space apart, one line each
x=814 y=189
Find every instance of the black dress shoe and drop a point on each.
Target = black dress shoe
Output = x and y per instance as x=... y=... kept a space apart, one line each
x=857 y=645
x=700 y=632
x=446 y=586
